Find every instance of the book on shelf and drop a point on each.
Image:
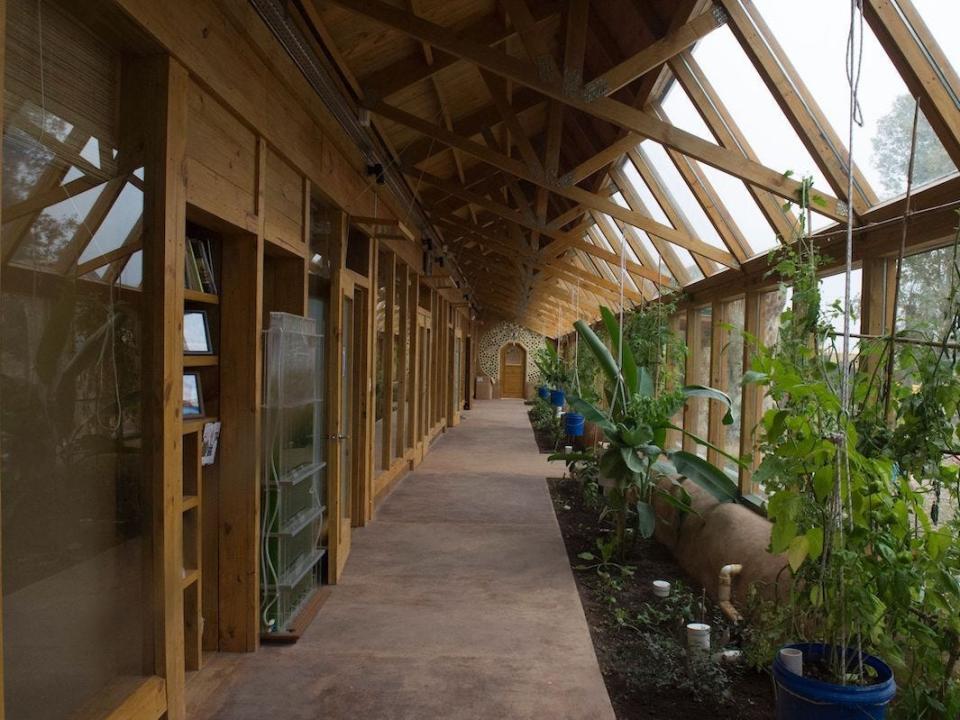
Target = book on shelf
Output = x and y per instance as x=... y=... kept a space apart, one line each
x=199 y=273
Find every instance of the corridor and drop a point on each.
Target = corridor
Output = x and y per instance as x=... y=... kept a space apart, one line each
x=457 y=602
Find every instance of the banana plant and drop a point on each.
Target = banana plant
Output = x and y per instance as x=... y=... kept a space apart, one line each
x=636 y=426
x=552 y=368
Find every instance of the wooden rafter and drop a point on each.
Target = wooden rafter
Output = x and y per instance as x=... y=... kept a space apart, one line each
x=720 y=123
x=574 y=193
x=637 y=121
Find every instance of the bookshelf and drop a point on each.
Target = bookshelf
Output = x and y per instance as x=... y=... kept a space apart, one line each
x=201 y=280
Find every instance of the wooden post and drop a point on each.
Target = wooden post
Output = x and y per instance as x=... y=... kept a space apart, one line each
x=388 y=269
x=159 y=85
x=693 y=345
x=403 y=338
x=336 y=246
x=718 y=366
x=751 y=397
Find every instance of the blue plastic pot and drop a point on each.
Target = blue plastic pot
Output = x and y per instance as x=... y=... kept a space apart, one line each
x=573 y=424
x=804 y=698
x=543 y=392
x=557 y=398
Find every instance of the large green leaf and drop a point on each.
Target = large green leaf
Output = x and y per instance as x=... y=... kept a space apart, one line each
x=645 y=385
x=701 y=391
x=628 y=365
x=706 y=475
x=592 y=414
x=706 y=443
x=571 y=457
x=646 y=519
x=600 y=351
x=632 y=460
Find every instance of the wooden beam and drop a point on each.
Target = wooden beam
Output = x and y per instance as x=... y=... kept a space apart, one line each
x=404 y=73
x=716 y=117
x=643 y=124
x=655 y=54
x=577 y=194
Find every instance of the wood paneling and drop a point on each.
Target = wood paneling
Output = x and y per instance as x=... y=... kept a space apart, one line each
x=283 y=222
x=221 y=160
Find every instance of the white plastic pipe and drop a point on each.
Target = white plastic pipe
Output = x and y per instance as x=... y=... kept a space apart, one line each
x=727 y=573
x=698 y=637
x=661 y=588
x=792 y=659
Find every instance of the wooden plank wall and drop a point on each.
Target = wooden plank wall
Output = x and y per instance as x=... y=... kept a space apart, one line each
x=231 y=136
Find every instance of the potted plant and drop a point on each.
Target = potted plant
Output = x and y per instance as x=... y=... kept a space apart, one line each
x=849 y=485
x=554 y=373
x=635 y=424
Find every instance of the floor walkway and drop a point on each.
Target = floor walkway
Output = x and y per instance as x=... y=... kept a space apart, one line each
x=457 y=602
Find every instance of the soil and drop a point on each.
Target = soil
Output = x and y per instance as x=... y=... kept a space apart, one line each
x=619 y=650
x=544 y=440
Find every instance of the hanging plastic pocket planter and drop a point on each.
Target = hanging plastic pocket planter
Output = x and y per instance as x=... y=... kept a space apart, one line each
x=543 y=392
x=573 y=424
x=557 y=398
x=800 y=697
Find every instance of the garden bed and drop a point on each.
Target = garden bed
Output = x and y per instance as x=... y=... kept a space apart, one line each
x=645 y=675
x=546 y=441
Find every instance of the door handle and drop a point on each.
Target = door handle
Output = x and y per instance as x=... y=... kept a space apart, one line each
x=337 y=437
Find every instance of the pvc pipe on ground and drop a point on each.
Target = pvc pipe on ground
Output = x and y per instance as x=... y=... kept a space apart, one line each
x=792 y=659
x=698 y=637
x=727 y=573
x=661 y=588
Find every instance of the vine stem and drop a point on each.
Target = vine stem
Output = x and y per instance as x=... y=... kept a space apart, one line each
x=888 y=391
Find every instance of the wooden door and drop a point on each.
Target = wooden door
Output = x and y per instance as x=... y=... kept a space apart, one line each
x=513 y=370
x=342 y=509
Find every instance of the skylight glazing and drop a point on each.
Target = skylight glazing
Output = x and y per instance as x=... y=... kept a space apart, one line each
x=817 y=49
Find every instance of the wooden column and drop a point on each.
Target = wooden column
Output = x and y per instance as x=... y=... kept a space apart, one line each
x=693 y=345
x=388 y=270
x=156 y=111
x=718 y=338
x=751 y=398
x=403 y=338
x=336 y=246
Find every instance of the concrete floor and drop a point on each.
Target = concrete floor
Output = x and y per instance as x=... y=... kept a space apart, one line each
x=457 y=602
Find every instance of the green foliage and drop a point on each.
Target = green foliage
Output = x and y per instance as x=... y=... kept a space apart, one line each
x=543 y=417
x=553 y=370
x=891 y=148
x=660 y=628
x=655 y=344
x=635 y=425
x=870 y=566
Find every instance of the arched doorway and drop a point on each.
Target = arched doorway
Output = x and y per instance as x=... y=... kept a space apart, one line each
x=513 y=370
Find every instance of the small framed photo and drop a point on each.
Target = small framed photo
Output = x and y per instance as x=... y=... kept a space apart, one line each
x=192 y=395
x=196 y=333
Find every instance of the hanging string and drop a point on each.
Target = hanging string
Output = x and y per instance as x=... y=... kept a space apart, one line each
x=854 y=61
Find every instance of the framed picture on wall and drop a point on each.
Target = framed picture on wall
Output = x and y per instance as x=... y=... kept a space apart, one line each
x=196 y=333
x=192 y=395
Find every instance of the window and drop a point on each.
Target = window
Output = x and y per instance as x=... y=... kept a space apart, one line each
x=384 y=265
x=818 y=50
x=696 y=417
x=729 y=375
x=74 y=514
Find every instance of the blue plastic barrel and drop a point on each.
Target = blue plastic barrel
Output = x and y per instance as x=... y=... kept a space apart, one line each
x=573 y=424
x=805 y=698
x=557 y=398
x=543 y=392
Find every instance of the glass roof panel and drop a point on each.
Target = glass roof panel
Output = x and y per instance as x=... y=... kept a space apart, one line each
x=818 y=50
x=53 y=230
x=640 y=187
x=752 y=107
x=132 y=275
x=686 y=202
x=118 y=223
